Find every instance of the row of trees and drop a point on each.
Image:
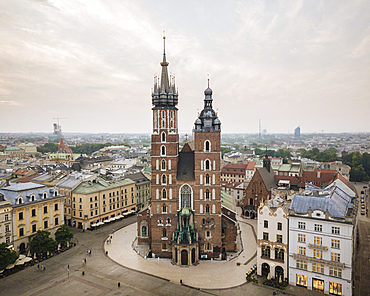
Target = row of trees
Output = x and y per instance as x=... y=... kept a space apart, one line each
x=41 y=243
x=360 y=166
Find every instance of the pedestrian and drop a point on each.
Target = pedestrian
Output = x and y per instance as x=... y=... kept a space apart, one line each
x=38 y=266
x=44 y=267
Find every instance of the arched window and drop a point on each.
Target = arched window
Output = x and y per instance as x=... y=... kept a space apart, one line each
x=20 y=200
x=55 y=193
x=279 y=254
x=213 y=209
x=168 y=221
x=164 y=194
x=266 y=251
x=203 y=221
x=164 y=208
x=185 y=194
x=164 y=232
x=207 y=180
x=208 y=233
x=201 y=209
x=207 y=209
x=163 y=137
x=163 y=164
x=207 y=146
x=157 y=164
x=207 y=194
x=144 y=231
x=212 y=223
x=164 y=179
x=207 y=165
x=44 y=195
x=163 y=151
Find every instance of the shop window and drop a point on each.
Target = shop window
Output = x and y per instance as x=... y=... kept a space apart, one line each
x=335 y=288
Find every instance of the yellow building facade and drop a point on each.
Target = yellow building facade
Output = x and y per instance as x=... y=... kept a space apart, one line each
x=99 y=200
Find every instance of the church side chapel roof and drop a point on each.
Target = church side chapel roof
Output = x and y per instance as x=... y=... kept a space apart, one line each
x=185 y=165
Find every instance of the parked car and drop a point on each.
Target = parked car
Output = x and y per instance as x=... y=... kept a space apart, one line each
x=362 y=212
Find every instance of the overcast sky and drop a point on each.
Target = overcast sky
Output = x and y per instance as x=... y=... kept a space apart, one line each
x=92 y=63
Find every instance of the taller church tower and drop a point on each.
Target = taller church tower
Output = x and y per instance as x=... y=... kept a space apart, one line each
x=165 y=149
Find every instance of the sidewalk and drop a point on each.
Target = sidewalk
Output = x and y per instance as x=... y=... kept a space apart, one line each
x=205 y=275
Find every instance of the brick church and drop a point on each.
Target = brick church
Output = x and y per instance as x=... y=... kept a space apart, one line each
x=186 y=220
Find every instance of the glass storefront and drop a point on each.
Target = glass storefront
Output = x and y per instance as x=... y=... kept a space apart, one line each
x=318 y=285
x=335 y=288
x=301 y=280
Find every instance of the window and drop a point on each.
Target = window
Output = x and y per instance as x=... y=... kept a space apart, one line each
x=317 y=240
x=265 y=236
x=56 y=221
x=335 y=230
x=164 y=179
x=207 y=165
x=280 y=226
x=301 y=238
x=335 y=288
x=33 y=213
x=207 y=209
x=20 y=200
x=46 y=224
x=207 y=194
x=279 y=254
x=318 y=227
x=164 y=247
x=6 y=217
x=168 y=221
x=335 y=271
x=207 y=146
x=317 y=253
x=34 y=228
x=207 y=180
x=266 y=251
x=164 y=232
x=163 y=151
x=163 y=164
x=208 y=234
x=301 y=264
x=21 y=232
x=266 y=224
x=164 y=208
x=144 y=231
x=335 y=257
x=317 y=267
x=279 y=238
x=20 y=216
x=7 y=228
x=335 y=243
x=7 y=240
x=164 y=194
x=302 y=250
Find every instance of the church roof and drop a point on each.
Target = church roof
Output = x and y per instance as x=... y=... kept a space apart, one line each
x=185 y=166
x=268 y=178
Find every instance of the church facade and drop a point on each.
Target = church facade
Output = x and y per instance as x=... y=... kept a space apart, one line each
x=185 y=220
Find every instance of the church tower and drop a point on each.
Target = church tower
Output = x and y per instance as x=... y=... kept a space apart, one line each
x=165 y=149
x=207 y=159
x=185 y=220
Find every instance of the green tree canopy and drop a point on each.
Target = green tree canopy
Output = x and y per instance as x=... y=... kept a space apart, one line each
x=42 y=242
x=63 y=235
x=6 y=256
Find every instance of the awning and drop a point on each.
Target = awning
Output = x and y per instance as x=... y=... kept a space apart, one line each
x=27 y=259
x=99 y=223
x=120 y=216
x=10 y=266
x=93 y=225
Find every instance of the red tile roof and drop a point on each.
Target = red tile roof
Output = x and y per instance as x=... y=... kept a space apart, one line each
x=251 y=165
x=234 y=168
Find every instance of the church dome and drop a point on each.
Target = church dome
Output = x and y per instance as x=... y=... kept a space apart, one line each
x=208 y=92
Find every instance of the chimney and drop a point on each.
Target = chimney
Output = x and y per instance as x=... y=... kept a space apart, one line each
x=7 y=182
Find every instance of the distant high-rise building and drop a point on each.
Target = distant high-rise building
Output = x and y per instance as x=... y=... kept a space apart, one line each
x=297 y=132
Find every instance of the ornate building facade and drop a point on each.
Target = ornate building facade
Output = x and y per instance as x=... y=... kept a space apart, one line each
x=184 y=219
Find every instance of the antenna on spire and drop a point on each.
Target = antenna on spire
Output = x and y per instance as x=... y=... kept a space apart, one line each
x=164 y=42
x=208 y=79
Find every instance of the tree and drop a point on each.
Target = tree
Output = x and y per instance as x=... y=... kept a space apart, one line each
x=42 y=243
x=63 y=235
x=143 y=160
x=6 y=256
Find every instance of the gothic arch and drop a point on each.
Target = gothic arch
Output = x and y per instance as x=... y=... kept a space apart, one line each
x=186 y=195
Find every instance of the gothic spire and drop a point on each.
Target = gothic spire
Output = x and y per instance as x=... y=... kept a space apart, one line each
x=165 y=85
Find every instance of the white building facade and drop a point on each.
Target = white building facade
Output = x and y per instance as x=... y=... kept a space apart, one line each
x=272 y=240
x=321 y=232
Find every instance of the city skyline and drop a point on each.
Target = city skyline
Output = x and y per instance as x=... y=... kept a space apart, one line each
x=92 y=64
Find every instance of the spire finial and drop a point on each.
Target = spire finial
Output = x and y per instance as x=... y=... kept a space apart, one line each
x=164 y=42
x=208 y=80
